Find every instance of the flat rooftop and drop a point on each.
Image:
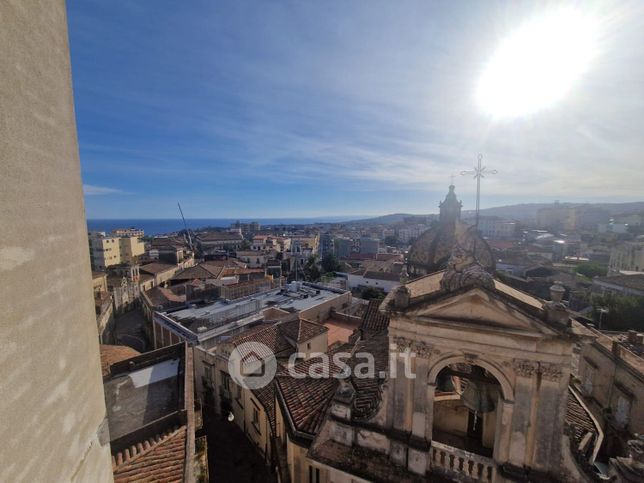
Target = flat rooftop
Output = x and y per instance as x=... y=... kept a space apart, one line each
x=222 y=312
x=142 y=396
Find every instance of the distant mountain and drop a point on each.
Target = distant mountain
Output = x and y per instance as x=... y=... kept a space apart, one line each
x=383 y=220
x=524 y=212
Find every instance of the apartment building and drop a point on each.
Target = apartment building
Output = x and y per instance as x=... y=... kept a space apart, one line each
x=106 y=251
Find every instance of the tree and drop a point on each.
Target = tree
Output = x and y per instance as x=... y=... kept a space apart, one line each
x=372 y=293
x=624 y=312
x=391 y=241
x=330 y=263
x=311 y=270
x=591 y=269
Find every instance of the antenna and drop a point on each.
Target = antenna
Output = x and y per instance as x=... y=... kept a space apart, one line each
x=186 y=227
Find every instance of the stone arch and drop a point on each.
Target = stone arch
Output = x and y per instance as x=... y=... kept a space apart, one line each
x=453 y=358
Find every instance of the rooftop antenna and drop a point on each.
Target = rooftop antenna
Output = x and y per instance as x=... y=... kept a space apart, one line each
x=186 y=227
x=479 y=172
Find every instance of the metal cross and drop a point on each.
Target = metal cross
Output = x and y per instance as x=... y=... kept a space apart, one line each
x=479 y=172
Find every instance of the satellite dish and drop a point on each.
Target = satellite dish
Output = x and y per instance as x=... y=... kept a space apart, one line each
x=231 y=417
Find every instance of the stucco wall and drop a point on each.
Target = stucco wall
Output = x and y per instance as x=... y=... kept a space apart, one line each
x=52 y=394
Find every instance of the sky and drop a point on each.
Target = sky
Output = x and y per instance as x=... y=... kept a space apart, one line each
x=362 y=107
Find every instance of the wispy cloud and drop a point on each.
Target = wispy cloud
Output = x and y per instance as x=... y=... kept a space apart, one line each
x=93 y=190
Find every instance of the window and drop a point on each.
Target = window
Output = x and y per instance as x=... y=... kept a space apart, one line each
x=623 y=410
x=255 y=416
x=308 y=346
x=314 y=474
x=225 y=381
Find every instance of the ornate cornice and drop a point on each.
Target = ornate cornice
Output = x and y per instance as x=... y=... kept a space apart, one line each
x=420 y=349
x=550 y=371
x=524 y=367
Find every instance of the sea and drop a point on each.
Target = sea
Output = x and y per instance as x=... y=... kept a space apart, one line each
x=159 y=226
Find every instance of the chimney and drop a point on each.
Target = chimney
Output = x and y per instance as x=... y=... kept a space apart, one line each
x=639 y=340
x=557 y=292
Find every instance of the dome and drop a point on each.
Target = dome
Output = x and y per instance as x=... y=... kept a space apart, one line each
x=431 y=251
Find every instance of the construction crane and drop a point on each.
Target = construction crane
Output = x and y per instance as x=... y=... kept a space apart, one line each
x=186 y=227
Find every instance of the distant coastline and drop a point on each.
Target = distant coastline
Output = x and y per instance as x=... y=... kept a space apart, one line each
x=153 y=226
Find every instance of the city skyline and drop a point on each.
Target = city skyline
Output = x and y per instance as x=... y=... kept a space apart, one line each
x=257 y=111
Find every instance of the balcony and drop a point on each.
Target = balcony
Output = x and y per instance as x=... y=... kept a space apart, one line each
x=460 y=464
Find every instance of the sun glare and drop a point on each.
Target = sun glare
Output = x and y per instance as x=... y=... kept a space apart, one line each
x=538 y=64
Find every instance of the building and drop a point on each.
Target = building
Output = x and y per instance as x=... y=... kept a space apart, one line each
x=620 y=285
x=106 y=251
x=128 y=232
x=496 y=228
x=342 y=247
x=490 y=400
x=207 y=324
x=151 y=414
x=627 y=256
x=369 y=245
x=212 y=242
x=565 y=217
x=431 y=251
x=410 y=233
x=52 y=410
x=254 y=410
x=611 y=379
x=362 y=279
x=252 y=258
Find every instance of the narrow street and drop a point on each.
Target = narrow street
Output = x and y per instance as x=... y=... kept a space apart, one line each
x=231 y=456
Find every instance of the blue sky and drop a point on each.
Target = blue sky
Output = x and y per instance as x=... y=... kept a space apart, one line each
x=287 y=109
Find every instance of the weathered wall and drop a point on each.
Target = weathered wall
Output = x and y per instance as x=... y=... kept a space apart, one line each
x=52 y=403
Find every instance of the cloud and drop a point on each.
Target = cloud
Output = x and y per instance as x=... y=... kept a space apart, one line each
x=93 y=190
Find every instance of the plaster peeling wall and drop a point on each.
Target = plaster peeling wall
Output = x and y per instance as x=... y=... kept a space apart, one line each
x=52 y=403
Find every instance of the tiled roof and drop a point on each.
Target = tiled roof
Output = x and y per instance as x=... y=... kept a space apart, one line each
x=308 y=330
x=373 y=320
x=161 y=458
x=160 y=296
x=308 y=398
x=110 y=354
x=201 y=271
x=157 y=267
x=577 y=417
x=369 y=389
x=635 y=282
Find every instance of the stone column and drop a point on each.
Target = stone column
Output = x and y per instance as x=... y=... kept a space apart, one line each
x=503 y=431
x=526 y=374
x=550 y=418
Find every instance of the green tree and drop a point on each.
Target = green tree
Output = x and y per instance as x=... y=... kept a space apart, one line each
x=621 y=312
x=372 y=293
x=330 y=263
x=311 y=270
x=391 y=241
x=591 y=269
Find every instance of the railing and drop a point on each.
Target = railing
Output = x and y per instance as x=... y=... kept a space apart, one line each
x=454 y=461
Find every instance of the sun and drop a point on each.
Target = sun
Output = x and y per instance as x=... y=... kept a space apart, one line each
x=537 y=64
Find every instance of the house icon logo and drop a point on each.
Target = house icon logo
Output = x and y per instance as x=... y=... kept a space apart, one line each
x=252 y=365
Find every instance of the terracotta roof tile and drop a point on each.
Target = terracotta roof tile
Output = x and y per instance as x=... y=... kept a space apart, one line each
x=161 y=458
x=373 y=320
x=157 y=267
x=111 y=354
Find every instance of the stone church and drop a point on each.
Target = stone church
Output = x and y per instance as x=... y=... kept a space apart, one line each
x=490 y=397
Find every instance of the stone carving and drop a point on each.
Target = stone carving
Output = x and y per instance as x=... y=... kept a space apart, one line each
x=402 y=344
x=463 y=269
x=422 y=349
x=550 y=371
x=525 y=368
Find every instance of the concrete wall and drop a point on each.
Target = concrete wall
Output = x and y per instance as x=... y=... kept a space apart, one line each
x=52 y=405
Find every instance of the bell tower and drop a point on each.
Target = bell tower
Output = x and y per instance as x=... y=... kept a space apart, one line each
x=450 y=208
